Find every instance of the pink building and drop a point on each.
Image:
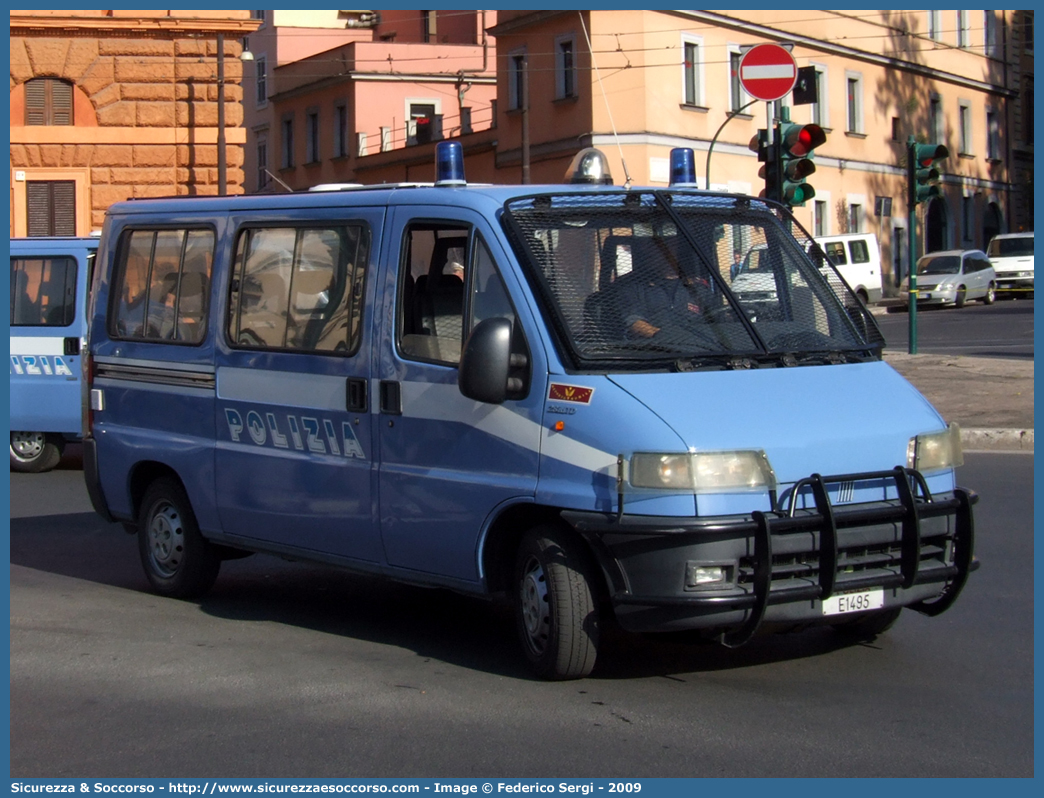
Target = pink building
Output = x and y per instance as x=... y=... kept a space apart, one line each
x=330 y=87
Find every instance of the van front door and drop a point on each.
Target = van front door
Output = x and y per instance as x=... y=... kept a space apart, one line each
x=447 y=462
x=294 y=459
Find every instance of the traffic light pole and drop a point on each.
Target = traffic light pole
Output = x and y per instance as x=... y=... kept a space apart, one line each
x=911 y=210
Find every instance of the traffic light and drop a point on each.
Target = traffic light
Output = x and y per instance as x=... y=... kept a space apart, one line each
x=921 y=174
x=797 y=144
x=770 y=171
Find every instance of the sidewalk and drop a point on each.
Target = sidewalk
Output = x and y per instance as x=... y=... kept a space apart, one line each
x=990 y=398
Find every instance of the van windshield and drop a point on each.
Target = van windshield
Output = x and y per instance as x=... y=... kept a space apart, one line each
x=1011 y=247
x=644 y=277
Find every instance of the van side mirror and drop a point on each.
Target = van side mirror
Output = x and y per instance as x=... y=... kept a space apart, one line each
x=486 y=361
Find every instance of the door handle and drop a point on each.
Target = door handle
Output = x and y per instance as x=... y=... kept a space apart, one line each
x=391 y=398
x=355 y=396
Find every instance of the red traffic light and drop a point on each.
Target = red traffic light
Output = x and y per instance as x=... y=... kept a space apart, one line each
x=927 y=154
x=800 y=140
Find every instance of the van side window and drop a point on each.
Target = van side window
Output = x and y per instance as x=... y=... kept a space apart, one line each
x=164 y=285
x=43 y=292
x=835 y=250
x=860 y=252
x=299 y=288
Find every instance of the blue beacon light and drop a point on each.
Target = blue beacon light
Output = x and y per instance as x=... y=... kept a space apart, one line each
x=449 y=164
x=683 y=168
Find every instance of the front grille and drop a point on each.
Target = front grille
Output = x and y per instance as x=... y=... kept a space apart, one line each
x=850 y=560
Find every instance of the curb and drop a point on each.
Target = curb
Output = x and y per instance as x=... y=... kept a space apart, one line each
x=997 y=440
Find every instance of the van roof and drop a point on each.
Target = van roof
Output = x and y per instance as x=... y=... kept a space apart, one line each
x=346 y=195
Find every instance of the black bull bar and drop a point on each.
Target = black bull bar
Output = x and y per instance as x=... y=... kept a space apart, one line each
x=915 y=503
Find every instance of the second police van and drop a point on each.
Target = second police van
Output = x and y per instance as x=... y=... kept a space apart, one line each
x=546 y=393
x=50 y=277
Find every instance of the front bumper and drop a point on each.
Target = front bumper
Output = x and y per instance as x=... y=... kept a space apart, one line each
x=1007 y=281
x=783 y=564
x=931 y=296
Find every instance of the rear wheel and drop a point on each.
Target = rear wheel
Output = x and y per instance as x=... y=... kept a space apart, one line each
x=991 y=295
x=962 y=297
x=555 y=608
x=178 y=561
x=870 y=625
x=33 y=452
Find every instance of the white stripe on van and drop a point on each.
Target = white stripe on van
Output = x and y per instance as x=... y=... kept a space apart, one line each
x=285 y=388
x=438 y=402
x=26 y=345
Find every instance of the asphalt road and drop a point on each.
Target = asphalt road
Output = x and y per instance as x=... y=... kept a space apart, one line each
x=1004 y=329
x=293 y=670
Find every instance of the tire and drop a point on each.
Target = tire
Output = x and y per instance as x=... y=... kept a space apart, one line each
x=991 y=295
x=555 y=608
x=869 y=626
x=962 y=297
x=178 y=561
x=34 y=452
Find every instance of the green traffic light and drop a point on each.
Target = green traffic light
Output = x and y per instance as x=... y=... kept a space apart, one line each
x=797 y=144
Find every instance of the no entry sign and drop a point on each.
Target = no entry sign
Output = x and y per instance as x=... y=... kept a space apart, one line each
x=767 y=72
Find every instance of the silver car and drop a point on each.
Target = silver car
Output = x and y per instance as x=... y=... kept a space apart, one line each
x=952 y=278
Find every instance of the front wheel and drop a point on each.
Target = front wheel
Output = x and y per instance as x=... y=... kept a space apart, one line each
x=178 y=561
x=34 y=452
x=555 y=606
x=962 y=297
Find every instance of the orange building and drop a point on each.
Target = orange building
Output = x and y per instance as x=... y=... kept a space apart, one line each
x=107 y=105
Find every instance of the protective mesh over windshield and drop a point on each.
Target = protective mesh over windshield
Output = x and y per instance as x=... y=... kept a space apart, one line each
x=624 y=281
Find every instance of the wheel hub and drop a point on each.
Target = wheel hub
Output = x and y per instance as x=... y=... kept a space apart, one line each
x=536 y=611
x=28 y=445
x=166 y=539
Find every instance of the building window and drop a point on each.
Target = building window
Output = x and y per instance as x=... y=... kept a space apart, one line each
x=855 y=218
x=48 y=101
x=935 y=119
x=262 y=80
x=565 y=67
x=429 y=22
x=51 y=207
x=340 y=130
x=966 y=128
x=258 y=15
x=992 y=136
x=820 y=223
x=963 y=32
x=262 y=163
x=312 y=136
x=896 y=128
x=516 y=79
x=820 y=115
x=737 y=96
x=423 y=122
x=1027 y=114
x=989 y=33
x=287 y=128
x=855 y=103
x=935 y=25
x=1027 y=31
x=692 y=72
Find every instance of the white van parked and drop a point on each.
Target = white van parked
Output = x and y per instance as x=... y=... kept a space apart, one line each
x=1012 y=257
x=857 y=258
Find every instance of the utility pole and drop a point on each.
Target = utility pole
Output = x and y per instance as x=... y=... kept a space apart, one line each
x=221 y=166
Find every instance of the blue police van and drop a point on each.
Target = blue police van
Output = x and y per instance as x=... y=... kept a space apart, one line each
x=49 y=282
x=548 y=394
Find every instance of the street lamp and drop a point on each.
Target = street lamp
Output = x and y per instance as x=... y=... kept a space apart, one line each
x=246 y=55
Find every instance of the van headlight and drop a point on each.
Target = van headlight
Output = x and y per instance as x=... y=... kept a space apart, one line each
x=702 y=472
x=935 y=451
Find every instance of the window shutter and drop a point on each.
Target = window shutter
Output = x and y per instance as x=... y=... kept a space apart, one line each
x=51 y=207
x=36 y=102
x=61 y=103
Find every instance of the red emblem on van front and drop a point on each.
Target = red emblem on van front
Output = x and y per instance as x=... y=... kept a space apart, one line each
x=569 y=393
